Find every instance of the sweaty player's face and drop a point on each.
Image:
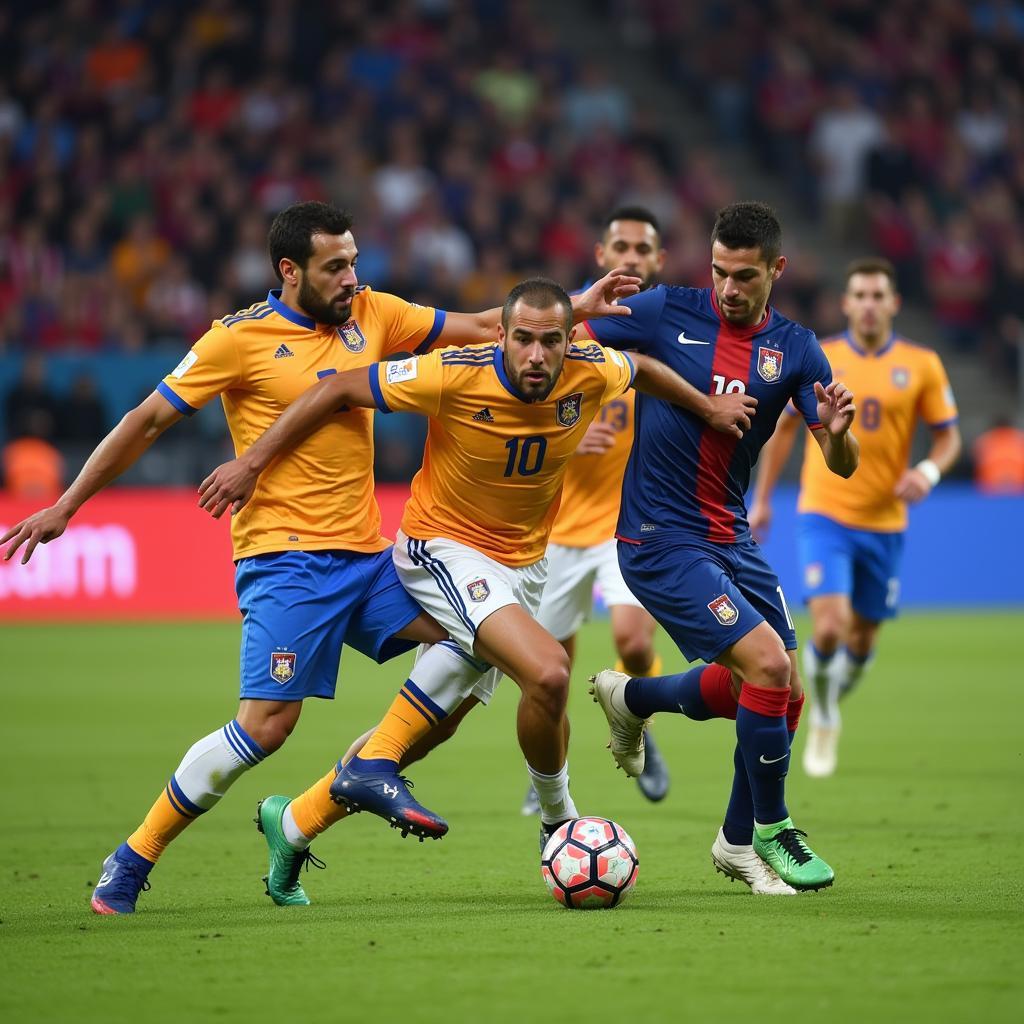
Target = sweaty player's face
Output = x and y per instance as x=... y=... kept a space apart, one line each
x=534 y=347
x=743 y=281
x=632 y=244
x=328 y=282
x=870 y=303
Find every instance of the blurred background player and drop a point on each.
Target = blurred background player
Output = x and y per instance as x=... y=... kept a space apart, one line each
x=581 y=550
x=850 y=532
x=685 y=547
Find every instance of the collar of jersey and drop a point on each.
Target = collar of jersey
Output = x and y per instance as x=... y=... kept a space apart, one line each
x=878 y=353
x=275 y=303
x=499 y=369
x=738 y=330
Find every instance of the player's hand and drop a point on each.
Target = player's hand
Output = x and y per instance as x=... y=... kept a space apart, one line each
x=759 y=519
x=913 y=486
x=731 y=414
x=835 y=407
x=601 y=297
x=230 y=484
x=600 y=436
x=40 y=528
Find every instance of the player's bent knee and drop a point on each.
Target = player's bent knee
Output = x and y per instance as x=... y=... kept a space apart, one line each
x=549 y=686
x=774 y=671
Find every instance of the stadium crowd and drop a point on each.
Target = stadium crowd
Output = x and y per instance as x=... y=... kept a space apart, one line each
x=900 y=124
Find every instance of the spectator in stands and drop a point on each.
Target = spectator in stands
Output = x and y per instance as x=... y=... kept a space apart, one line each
x=999 y=458
x=30 y=407
x=32 y=468
x=80 y=417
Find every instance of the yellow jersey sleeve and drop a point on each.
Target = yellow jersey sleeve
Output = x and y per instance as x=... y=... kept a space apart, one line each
x=211 y=367
x=405 y=326
x=937 y=406
x=618 y=369
x=414 y=384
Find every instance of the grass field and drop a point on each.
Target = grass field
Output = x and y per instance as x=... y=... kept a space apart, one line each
x=923 y=824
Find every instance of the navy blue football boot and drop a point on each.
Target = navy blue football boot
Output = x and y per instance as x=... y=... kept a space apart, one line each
x=124 y=875
x=653 y=780
x=375 y=786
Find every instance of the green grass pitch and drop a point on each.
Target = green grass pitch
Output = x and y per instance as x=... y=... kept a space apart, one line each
x=923 y=824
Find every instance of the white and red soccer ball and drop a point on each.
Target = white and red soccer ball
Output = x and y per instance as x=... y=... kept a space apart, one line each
x=589 y=864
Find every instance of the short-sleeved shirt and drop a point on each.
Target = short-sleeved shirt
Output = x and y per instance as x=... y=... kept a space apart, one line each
x=318 y=496
x=494 y=461
x=682 y=475
x=593 y=483
x=894 y=387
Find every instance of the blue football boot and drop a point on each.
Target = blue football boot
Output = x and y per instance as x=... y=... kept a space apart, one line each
x=125 y=874
x=375 y=786
x=653 y=780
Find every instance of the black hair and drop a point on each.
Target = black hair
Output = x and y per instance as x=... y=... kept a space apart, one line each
x=537 y=293
x=749 y=226
x=291 y=233
x=638 y=213
x=872 y=265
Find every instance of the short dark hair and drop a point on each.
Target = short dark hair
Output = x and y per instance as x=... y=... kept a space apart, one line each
x=749 y=226
x=538 y=293
x=638 y=213
x=872 y=265
x=291 y=233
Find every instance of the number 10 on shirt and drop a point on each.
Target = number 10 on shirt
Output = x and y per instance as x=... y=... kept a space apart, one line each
x=525 y=454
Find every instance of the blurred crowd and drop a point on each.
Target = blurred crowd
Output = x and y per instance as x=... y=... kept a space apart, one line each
x=900 y=124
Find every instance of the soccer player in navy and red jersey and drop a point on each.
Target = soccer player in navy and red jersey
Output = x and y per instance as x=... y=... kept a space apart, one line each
x=685 y=547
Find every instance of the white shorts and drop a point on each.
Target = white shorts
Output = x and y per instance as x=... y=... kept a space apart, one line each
x=460 y=587
x=569 y=595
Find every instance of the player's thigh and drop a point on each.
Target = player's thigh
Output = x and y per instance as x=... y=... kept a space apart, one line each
x=296 y=607
x=388 y=621
x=514 y=641
x=690 y=591
x=759 y=657
x=826 y=552
x=568 y=593
x=876 y=576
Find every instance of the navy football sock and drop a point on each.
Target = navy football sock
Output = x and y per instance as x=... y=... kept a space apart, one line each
x=646 y=695
x=739 y=815
x=764 y=742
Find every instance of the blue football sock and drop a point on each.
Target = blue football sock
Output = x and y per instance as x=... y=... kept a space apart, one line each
x=646 y=695
x=764 y=741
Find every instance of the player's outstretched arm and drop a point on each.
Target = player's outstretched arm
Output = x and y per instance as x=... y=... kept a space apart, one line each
x=917 y=482
x=729 y=414
x=835 y=413
x=598 y=300
x=118 y=451
x=232 y=483
x=770 y=463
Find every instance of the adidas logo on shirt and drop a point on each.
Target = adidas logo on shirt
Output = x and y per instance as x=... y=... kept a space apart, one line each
x=483 y=416
x=283 y=351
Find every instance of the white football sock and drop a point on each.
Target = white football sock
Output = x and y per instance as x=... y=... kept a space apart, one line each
x=825 y=673
x=853 y=669
x=553 y=794
x=212 y=764
x=446 y=673
x=296 y=839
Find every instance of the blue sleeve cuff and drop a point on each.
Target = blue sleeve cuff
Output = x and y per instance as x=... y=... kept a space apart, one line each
x=378 y=395
x=943 y=423
x=632 y=367
x=439 y=318
x=179 y=403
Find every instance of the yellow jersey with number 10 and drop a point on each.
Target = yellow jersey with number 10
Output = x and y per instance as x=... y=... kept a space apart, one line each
x=494 y=462
x=893 y=388
x=320 y=495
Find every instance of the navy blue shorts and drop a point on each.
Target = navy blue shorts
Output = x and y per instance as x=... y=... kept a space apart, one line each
x=863 y=564
x=706 y=596
x=300 y=607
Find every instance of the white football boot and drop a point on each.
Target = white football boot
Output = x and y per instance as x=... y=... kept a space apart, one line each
x=740 y=862
x=821 y=751
x=608 y=689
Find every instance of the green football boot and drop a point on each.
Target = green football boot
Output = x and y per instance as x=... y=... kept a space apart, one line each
x=785 y=851
x=286 y=862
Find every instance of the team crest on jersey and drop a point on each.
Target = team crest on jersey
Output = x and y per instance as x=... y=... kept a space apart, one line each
x=814 y=574
x=569 y=409
x=769 y=364
x=724 y=610
x=478 y=590
x=352 y=338
x=900 y=377
x=282 y=666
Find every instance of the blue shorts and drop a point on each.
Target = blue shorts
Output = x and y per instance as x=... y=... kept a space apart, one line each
x=706 y=596
x=299 y=607
x=837 y=559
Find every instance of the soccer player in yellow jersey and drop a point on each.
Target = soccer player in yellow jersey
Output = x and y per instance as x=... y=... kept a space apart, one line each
x=312 y=570
x=582 y=548
x=505 y=420
x=850 y=531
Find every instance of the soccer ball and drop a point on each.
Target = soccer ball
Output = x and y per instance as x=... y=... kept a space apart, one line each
x=589 y=864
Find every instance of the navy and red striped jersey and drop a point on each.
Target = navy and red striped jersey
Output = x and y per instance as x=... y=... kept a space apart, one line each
x=683 y=475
